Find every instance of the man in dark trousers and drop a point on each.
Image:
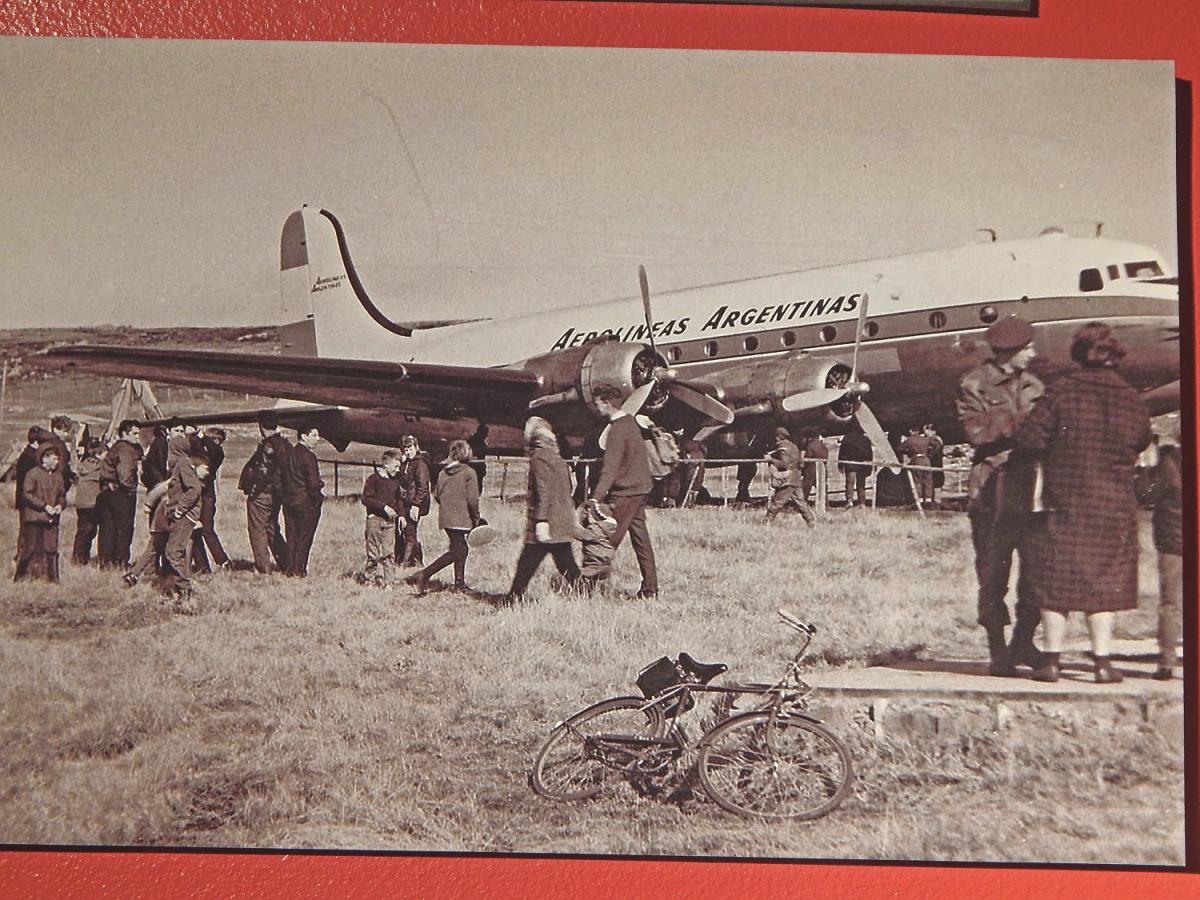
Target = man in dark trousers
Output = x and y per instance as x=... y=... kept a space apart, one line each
x=262 y=483
x=479 y=449
x=815 y=454
x=416 y=490
x=625 y=483
x=26 y=463
x=303 y=494
x=855 y=448
x=116 y=507
x=993 y=399
x=209 y=443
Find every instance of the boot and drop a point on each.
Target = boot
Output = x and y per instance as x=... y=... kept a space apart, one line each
x=419 y=580
x=1022 y=651
x=1048 y=671
x=1105 y=673
x=998 y=651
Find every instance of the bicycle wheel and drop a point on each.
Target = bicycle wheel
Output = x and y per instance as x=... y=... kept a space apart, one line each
x=593 y=746
x=787 y=769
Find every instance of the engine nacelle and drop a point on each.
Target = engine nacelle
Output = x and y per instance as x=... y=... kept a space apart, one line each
x=759 y=389
x=575 y=374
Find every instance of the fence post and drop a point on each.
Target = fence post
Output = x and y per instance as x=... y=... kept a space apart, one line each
x=335 y=478
x=822 y=486
x=503 y=479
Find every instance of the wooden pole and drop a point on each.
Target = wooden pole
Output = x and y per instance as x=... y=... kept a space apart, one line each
x=3 y=395
x=335 y=478
x=503 y=479
x=822 y=487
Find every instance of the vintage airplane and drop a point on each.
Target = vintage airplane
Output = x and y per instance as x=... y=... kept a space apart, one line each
x=720 y=361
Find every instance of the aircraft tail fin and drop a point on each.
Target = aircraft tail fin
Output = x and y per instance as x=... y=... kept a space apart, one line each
x=318 y=278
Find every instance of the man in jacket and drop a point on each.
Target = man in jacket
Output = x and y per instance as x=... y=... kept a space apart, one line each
x=855 y=448
x=180 y=510
x=786 y=478
x=87 y=493
x=993 y=399
x=815 y=454
x=625 y=484
x=415 y=488
x=210 y=444
x=261 y=481
x=25 y=463
x=116 y=507
x=303 y=494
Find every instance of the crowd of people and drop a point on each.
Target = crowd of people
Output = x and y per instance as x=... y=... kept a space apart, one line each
x=1052 y=482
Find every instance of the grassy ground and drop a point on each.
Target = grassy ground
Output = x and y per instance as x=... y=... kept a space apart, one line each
x=322 y=713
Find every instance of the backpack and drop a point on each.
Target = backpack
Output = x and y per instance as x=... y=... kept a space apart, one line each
x=661 y=451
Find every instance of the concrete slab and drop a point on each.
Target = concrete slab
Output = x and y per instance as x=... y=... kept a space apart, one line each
x=969 y=680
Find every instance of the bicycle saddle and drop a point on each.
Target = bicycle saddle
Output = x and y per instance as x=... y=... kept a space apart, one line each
x=702 y=672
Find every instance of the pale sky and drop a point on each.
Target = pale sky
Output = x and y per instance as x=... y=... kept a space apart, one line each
x=146 y=182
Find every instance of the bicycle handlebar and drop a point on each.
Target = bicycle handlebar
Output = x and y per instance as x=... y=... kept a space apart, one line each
x=794 y=621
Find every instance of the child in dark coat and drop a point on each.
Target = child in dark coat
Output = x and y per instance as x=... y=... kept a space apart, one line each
x=87 y=493
x=457 y=494
x=1168 y=541
x=44 y=495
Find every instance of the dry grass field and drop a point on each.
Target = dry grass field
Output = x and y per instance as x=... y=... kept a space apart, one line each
x=323 y=713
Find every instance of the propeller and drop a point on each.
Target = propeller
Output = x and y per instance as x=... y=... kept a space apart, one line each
x=685 y=392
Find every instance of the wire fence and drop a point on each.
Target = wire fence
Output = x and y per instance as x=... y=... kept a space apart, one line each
x=506 y=478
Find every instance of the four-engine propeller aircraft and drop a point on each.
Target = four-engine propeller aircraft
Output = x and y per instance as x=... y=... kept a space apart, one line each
x=719 y=361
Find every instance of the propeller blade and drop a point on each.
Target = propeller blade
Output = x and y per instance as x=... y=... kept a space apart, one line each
x=873 y=430
x=645 y=284
x=702 y=403
x=634 y=402
x=706 y=432
x=858 y=336
x=813 y=399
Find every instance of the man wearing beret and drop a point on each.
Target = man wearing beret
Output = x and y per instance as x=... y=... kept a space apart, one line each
x=993 y=400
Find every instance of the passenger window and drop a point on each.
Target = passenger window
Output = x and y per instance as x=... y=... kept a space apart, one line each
x=788 y=338
x=750 y=344
x=937 y=320
x=828 y=333
x=988 y=315
x=710 y=349
x=871 y=329
x=676 y=353
x=1090 y=280
x=1146 y=269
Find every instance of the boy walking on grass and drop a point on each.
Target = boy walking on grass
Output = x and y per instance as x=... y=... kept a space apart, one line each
x=381 y=497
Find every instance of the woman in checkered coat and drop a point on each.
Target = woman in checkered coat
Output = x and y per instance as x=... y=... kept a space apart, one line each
x=1087 y=432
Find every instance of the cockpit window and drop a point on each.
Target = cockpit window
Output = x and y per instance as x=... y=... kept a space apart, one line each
x=1146 y=269
x=1090 y=280
x=1114 y=272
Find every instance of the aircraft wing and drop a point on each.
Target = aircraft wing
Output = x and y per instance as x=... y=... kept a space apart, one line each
x=415 y=388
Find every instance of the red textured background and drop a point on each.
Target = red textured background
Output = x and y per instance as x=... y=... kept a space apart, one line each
x=1164 y=29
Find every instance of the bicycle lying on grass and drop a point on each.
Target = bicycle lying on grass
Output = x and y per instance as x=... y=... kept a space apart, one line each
x=773 y=762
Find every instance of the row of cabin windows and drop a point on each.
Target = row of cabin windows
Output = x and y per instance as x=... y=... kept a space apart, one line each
x=1093 y=279
x=937 y=319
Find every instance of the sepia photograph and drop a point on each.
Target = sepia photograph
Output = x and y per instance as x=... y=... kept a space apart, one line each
x=614 y=452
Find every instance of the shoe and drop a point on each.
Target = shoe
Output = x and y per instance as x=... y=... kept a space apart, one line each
x=130 y=579
x=1105 y=673
x=226 y=566
x=1163 y=673
x=419 y=581
x=1000 y=665
x=646 y=595
x=1049 y=672
x=461 y=586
